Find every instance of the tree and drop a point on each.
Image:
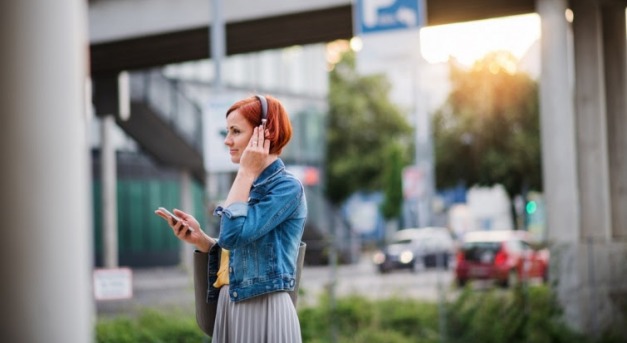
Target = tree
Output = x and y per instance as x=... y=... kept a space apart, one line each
x=393 y=182
x=488 y=130
x=362 y=126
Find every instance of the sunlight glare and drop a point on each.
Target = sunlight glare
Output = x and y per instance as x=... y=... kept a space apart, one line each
x=468 y=42
x=356 y=44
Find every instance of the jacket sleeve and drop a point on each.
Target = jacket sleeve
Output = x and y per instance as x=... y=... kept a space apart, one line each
x=242 y=223
x=205 y=311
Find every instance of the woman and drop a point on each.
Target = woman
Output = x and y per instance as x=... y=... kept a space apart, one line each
x=252 y=265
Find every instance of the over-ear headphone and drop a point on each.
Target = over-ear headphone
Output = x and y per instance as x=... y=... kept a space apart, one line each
x=264 y=108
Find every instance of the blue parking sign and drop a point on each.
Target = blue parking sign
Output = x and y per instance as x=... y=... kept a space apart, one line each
x=383 y=15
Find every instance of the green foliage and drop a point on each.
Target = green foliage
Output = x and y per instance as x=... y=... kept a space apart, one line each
x=361 y=127
x=488 y=130
x=150 y=326
x=514 y=316
x=522 y=315
x=357 y=319
x=393 y=182
x=409 y=318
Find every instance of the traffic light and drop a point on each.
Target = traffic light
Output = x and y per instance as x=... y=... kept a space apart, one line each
x=531 y=207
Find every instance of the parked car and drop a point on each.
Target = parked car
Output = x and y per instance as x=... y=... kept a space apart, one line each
x=415 y=249
x=504 y=256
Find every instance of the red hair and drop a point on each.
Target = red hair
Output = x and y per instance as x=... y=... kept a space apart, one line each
x=278 y=124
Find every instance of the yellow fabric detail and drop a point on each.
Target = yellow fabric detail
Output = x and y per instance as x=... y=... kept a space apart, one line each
x=223 y=271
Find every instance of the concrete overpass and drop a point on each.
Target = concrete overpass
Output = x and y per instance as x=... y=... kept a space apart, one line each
x=46 y=254
x=134 y=34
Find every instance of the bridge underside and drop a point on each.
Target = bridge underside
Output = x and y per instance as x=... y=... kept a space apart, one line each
x=275 y=32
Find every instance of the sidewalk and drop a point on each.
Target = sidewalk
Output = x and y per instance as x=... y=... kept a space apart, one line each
x=164 y=288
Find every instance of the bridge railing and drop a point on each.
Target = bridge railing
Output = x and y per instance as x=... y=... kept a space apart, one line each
x=169 y=102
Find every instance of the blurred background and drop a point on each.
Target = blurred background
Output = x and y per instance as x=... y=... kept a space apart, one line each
x=416 y=122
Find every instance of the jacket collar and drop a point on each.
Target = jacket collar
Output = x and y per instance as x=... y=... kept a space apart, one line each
x=274 y=168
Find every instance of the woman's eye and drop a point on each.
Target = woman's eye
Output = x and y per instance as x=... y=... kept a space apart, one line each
x=230 y=132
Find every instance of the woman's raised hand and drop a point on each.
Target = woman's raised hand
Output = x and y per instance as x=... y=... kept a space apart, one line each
x=254 y=158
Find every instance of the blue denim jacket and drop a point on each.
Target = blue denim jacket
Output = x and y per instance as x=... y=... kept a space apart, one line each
x=262 y=236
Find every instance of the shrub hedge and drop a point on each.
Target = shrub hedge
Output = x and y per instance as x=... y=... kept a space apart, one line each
x=520 y=315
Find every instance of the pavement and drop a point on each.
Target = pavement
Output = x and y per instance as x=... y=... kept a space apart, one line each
x=166 y=288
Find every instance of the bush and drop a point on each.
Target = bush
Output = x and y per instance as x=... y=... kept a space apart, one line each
x=150 y=326
x=517 y=316
x=514 y=316
x=357 y=319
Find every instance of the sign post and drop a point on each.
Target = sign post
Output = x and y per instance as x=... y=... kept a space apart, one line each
x=113 y=283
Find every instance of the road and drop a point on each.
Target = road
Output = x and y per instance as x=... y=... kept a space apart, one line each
x=172 y=287
x=363 y=279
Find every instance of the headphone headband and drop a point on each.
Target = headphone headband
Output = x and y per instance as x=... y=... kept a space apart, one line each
x=264 y=108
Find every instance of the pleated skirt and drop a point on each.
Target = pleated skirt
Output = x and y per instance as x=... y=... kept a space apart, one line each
x=268 y=318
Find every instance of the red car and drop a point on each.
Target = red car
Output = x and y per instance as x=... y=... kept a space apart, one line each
x=504 y=256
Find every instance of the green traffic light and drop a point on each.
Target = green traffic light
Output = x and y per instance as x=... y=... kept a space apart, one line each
x=531 y=207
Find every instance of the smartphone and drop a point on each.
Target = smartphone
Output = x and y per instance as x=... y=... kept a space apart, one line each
x=174 y=217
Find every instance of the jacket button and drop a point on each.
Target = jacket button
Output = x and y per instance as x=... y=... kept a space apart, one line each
x=234 y=294
x=231 y=270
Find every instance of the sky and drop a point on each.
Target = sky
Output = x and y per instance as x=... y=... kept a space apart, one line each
x=470 y=41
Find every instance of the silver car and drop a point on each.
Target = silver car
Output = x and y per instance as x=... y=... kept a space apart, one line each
x=416 y=249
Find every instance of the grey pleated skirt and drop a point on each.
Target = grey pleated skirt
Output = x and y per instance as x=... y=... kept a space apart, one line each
x=268 y=318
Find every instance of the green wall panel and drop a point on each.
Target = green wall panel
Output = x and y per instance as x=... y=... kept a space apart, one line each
x=144 y=239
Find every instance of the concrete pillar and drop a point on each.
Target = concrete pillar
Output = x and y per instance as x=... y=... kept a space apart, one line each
x=557 y=124
x=600 y=261
x=559 y=154
x=615 y=253
x=111 y=101
x=590 y=110
x=615 y=61
x=187 y=205
x=109 y=182
x=218 y=41
x=46 y=246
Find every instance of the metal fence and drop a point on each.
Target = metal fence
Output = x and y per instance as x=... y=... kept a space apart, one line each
x=169 y=102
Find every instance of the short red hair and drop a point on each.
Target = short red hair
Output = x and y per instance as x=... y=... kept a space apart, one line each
x=278 y=124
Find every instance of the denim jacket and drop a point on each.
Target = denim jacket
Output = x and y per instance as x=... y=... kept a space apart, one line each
x=262 y=236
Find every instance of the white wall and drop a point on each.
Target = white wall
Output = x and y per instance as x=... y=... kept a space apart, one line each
x=490 y=208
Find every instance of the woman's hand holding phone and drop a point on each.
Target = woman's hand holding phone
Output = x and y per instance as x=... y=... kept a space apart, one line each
x=186 y=228
x=172 y=219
